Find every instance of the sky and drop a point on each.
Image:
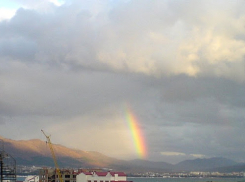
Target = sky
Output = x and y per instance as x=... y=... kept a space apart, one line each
x=158 y=80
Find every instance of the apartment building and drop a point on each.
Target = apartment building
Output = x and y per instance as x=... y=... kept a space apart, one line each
x=95 y=176
x=81 y=175
x=51 y=175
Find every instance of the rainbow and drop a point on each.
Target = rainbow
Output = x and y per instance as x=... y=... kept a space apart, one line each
x=137 y=134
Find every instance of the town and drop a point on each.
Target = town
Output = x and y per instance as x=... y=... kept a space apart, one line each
x=35 y=170
x=193 y=174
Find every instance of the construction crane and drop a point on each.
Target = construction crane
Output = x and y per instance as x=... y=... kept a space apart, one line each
x=53 y=155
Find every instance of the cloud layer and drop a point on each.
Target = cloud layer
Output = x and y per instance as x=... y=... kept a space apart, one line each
x=71 y=67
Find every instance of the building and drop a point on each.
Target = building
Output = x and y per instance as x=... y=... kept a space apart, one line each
x=96 y=176
x=81 y=175
x=31 y=179
x=7 y=165
x=51 y=175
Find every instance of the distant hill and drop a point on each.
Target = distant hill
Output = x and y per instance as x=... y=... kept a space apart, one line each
x=204 y=164
x=36 y=152
x=160 y=166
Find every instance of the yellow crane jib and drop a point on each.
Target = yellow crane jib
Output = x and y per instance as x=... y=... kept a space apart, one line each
x=53 y=155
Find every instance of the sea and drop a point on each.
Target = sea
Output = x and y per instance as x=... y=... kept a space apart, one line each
x=20 y=178
x=186 y=179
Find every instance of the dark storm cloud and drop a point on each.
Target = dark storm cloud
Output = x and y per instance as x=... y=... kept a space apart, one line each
x=195 y=116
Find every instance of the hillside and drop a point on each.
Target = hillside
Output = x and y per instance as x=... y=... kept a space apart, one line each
x=29 y=152
x=36 y=152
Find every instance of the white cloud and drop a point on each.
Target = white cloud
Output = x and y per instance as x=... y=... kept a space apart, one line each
x=173 y=153
x=57 y=2
x=210 y=43
x=182 y=154
x=197 y=155
x=6 y=14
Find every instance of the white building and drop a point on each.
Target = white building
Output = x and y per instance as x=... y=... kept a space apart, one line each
x=101 y=177
x=32 y=179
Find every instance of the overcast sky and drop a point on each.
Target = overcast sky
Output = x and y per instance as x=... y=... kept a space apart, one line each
x=74 y=68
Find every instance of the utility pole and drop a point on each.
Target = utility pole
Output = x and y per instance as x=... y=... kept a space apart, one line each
x=8 y=165
x=1 y=160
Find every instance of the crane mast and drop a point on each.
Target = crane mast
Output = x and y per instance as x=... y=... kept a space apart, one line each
x=53 y=155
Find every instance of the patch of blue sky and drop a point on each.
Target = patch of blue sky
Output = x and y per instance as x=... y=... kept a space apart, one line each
x=9 y=5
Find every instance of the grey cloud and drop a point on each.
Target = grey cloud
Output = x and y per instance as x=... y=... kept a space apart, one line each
x=176 y=64
x=131 y=37
x=62 y=92
x=18 y=48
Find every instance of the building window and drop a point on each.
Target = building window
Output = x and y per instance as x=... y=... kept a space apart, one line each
x=67 y=181
x=89 y=180
x=67 y=176
x=95 y=180
x=74 y=176
x=101 y=181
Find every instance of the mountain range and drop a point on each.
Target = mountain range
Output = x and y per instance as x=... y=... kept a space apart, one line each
x=37 y=152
